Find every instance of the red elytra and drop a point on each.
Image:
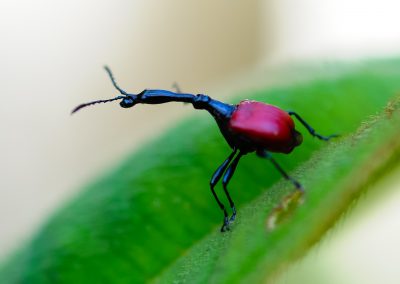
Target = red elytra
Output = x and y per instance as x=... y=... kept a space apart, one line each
x=266 y=125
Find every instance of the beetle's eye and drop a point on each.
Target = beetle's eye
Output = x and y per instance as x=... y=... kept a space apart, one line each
x=127 y=102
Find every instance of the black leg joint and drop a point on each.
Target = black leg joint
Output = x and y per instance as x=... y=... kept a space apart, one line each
x=201 y=101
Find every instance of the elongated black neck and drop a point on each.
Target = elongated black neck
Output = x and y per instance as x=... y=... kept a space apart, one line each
x=219 y=110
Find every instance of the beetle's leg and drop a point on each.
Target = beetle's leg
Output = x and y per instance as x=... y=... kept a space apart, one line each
x=214 y=180
x=225 y=180
x=265 y=154
x=175 y=86
x=310 y=129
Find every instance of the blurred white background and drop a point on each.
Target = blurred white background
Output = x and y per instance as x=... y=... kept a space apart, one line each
x=52 y=53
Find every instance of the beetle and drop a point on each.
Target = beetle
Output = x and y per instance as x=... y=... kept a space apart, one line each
x=250 y=126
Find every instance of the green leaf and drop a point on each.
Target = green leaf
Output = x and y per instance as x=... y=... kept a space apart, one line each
x=154 y=219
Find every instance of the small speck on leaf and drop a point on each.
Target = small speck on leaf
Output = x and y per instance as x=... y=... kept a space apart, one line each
x=392 y=106
x=285 y=209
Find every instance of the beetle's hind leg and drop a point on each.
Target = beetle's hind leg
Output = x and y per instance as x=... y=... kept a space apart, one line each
x=265 y=154
x=310 y=129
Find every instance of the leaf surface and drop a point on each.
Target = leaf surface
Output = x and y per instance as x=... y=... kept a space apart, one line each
x=154 y=219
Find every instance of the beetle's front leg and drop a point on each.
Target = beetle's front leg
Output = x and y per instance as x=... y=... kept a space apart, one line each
x=214 y=180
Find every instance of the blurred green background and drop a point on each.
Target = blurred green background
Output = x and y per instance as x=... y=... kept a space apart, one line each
x=52 y=53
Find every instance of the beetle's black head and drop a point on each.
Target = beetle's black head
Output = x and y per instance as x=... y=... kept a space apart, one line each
x=128 y=101
x=298 y=138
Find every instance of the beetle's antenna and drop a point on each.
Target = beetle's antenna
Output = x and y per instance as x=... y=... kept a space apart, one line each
x=95 y=102
x=110 y=74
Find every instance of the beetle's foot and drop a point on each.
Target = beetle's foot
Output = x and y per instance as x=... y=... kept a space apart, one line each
x=225 y=225
x=233 y=217
x=326 y=138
